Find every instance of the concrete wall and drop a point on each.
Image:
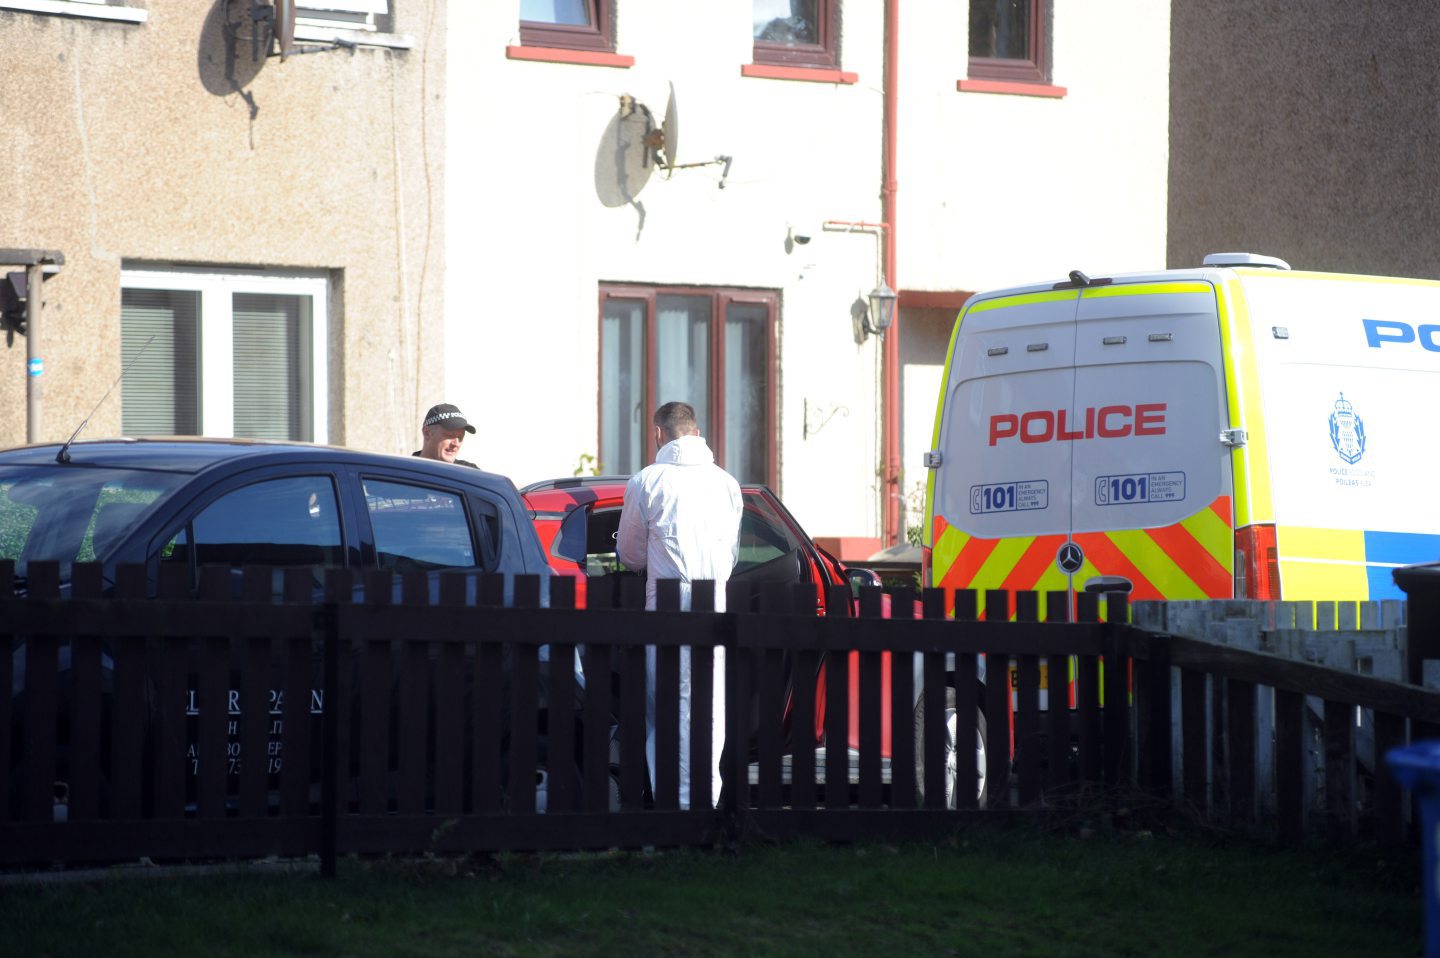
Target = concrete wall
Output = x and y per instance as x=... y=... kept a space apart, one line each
x=145 y=143
x=1308 y=132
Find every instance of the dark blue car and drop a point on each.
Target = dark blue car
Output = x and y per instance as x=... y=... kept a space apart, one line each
x=201 y=503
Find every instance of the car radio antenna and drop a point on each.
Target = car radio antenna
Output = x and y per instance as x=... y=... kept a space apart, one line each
x=63 y=455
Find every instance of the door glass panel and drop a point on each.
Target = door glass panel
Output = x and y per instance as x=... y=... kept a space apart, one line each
x=747 y=392
x=682 y=366
x=160 y=353
x=418 y=527
x=272 y=366
x=624 y=421
x=279 y=522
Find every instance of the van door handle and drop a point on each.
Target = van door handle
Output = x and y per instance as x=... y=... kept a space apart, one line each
x=1109 y=583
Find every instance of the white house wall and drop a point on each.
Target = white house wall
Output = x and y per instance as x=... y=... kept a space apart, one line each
x=532 y=242
x=529 y=241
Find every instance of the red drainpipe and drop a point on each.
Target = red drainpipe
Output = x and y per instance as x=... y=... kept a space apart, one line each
x=892 y=336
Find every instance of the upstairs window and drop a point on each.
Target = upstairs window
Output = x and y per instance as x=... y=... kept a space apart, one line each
x=1009 y=40
x=800 y=33
x=568 y=24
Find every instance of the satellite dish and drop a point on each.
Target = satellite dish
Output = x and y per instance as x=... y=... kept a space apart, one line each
x=625 y=157
x=670 y=131
x=285 y=27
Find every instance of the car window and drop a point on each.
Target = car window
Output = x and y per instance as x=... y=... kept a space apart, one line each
x=72 y=515
x=278 y=522
x=764 y=535
x=600 y=533
x=418 y=527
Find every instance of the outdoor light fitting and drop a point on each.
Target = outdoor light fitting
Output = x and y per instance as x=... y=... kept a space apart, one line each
x=882 y=309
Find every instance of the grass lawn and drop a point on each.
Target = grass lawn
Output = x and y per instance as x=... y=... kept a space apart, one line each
x=994 y=891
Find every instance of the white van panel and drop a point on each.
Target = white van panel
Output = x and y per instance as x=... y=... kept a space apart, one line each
x=1154 y=361
x=1012 y=356
x=1348 y=404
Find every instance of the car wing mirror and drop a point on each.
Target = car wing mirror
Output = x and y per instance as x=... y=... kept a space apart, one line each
x=860 y=578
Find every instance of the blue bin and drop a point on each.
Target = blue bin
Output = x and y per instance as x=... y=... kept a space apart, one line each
x=1417 y=767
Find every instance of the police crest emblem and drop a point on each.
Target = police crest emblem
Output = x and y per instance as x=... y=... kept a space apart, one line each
x=1347 y=431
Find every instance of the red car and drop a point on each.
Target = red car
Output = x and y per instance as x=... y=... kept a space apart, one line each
x=577 y=520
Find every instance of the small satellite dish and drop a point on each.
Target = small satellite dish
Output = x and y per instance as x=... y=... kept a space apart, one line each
x=670 y=131
x=625 y=157
x=285 y=27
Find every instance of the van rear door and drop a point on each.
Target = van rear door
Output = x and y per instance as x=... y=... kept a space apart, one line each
x=1080 y=441
x=1000 y=502
x=1151 y=486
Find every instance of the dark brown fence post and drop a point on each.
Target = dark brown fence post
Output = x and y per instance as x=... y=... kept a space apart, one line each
x=487 y=706
x=127 y=763
x=802 y=721
x=450 y=702
x=1389 y=802
x=666 y=773
x=1160 y=745
x=1057 y=609
x=1087 y=693
x=1339 y=770
x=1240 y=749
x=211 y=767
x=7 y=682
x=702 y=705
x=930 y=745
x=967 y=711
x=525 y=707
x=327 y=633
x=412 y=687
x=902 y=708
x=41 y=702
x=632 y=703
x=1195 y=752
x=775 y=602
x=1118 y=744
x=376 y=674
x=86 y=582
x=1289 y=764
x=564 y=781
x=870 y=786
x=295 y=766
x=171 y=655
x=837 y=724
x=735 y=759
x=256 y=681
x=1027 y=714
x=599 y=708
x=998 y=750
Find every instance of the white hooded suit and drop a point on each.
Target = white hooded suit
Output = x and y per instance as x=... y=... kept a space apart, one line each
x=681 y=520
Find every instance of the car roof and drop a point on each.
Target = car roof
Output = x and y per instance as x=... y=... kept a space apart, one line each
x=564 y=494
x=195 y=455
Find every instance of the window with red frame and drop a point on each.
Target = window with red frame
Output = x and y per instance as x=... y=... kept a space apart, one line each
x=799 y=33
x=1009 y=40
x=568 y=24
x=712 y=348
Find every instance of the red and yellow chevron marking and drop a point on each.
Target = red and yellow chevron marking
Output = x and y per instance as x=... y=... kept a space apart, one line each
x=1192 y=559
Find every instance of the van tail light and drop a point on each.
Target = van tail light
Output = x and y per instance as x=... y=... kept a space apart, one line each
x=1257 y=571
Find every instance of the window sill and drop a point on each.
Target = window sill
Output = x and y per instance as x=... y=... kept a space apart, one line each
x=72 y=8
x=362 y=38
x=591 y=58
x=811 y=74
x=1012 y=88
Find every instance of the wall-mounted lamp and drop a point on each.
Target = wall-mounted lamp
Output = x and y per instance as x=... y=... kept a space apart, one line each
x=882 y=309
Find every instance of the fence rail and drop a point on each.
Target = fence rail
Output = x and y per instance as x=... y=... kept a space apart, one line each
x=378 y=715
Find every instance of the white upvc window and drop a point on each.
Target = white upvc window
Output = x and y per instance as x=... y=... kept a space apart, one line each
x=224 y=353
x=344 y=14
x=87 y=9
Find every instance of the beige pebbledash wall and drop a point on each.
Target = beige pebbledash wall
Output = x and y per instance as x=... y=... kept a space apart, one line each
x=149 y=144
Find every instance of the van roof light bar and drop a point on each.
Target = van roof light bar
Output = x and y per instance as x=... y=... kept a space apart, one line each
x=1245 y=259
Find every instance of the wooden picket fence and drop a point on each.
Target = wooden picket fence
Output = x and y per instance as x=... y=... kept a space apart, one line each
x=376 y=715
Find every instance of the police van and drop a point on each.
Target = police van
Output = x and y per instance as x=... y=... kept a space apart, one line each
x=1239 y=430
